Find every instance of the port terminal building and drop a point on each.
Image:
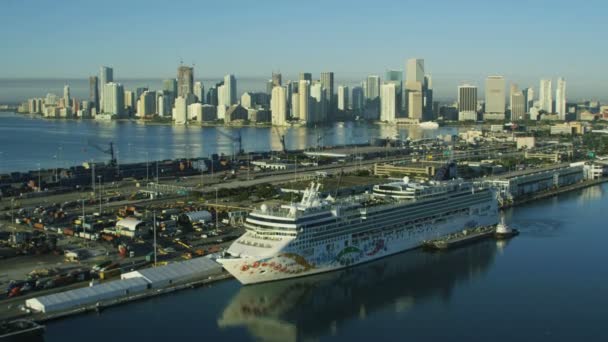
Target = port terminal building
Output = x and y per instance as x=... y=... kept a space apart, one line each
x=516 y=185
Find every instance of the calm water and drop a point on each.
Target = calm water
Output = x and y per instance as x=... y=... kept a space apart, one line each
x=548 y=284
x=26 y=141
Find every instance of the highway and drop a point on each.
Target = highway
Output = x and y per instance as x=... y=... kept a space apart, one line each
x=207 y=183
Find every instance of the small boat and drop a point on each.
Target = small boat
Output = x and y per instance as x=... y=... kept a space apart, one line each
x=428 y=125
x=503 y=231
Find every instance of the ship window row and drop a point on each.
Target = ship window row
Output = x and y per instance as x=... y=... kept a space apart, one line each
x=397 y=216
x=466 y=202
x=382 y=224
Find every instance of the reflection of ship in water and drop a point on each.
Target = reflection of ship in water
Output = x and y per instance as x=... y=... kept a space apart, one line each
x=309 y=307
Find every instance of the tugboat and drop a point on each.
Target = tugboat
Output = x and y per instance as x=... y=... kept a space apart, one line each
x=503 y=231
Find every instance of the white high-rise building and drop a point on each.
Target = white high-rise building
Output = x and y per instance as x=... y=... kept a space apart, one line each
x=343 y=97
x=147 y=104
x=246 y=100
x=67 y=99
x=106 y=75
x=230 y=84
x=278 y=105
x=199 y=92
x=414 y=82
x=222 y=96
x=467 y=102
x=295 y=106
x=372 y=87
x=113 y=99
x=318 y=106
x=545 y=97
x=518 y=105
x=388 y=102
x=414 y=105
x=495 y=98
x=529 y=99
x=195 y=111
x=304 y=92
x=180 y=111
x=414 y=71
x=560 y=99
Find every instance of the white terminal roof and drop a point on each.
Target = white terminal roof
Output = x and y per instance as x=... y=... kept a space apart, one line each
x=86 y=295
x=176 y=272
x=195 y=216
x=129 y=223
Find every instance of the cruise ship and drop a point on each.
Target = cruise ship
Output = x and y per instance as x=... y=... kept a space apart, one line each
x=325 y=234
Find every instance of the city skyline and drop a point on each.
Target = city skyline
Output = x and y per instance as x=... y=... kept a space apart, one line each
x=489 y=53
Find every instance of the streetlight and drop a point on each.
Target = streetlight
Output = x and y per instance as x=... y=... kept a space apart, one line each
x=216 y=211
x=100 y=192
x=83 y=217
x=157 y=171
x=39 y=183
x=12 y=205
x=154 y=228
x=147 y=158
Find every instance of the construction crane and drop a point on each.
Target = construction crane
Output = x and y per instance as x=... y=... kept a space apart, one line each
x=109 y=151
x=281 y=139
x=235 y=139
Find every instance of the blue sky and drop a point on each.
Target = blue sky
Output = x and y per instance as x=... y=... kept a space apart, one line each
x=460 y=41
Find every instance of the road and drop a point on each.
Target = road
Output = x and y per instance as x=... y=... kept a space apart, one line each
x=207 y=183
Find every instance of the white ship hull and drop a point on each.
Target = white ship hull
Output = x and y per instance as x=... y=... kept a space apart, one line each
x=345 y=252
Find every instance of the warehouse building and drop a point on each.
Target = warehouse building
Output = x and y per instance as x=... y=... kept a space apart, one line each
x=523 y=183
x=178 y=272
x=86 y=296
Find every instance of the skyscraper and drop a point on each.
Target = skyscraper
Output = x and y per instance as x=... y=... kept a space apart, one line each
x=396 y=77
x=495 y=98
x=560 y=99
x=306 y=76
x=317 y=111
x=147 y=103
x=199 y=92
x=130 y=102
x=545 y=97
x=518 y=106
x=295 y=106
x=414 y=72
x=222 y=98
x=427 y=101
x=106 y=74
x=185 y=80
x=372 y=87
x=529 y=99
x=343 y=98
x=67 y=98
x=276 y=79
x=94 y=93
x=278 y=105
x=304 y=94
x=372 y=97
x=113 y=100
x=414 y=81
x=180 y=111
x=230 y=84
x=358 y=99
x=170 y=86
x=388 y=102
x=414 y=103
x=327 y=82
x=467 y=102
